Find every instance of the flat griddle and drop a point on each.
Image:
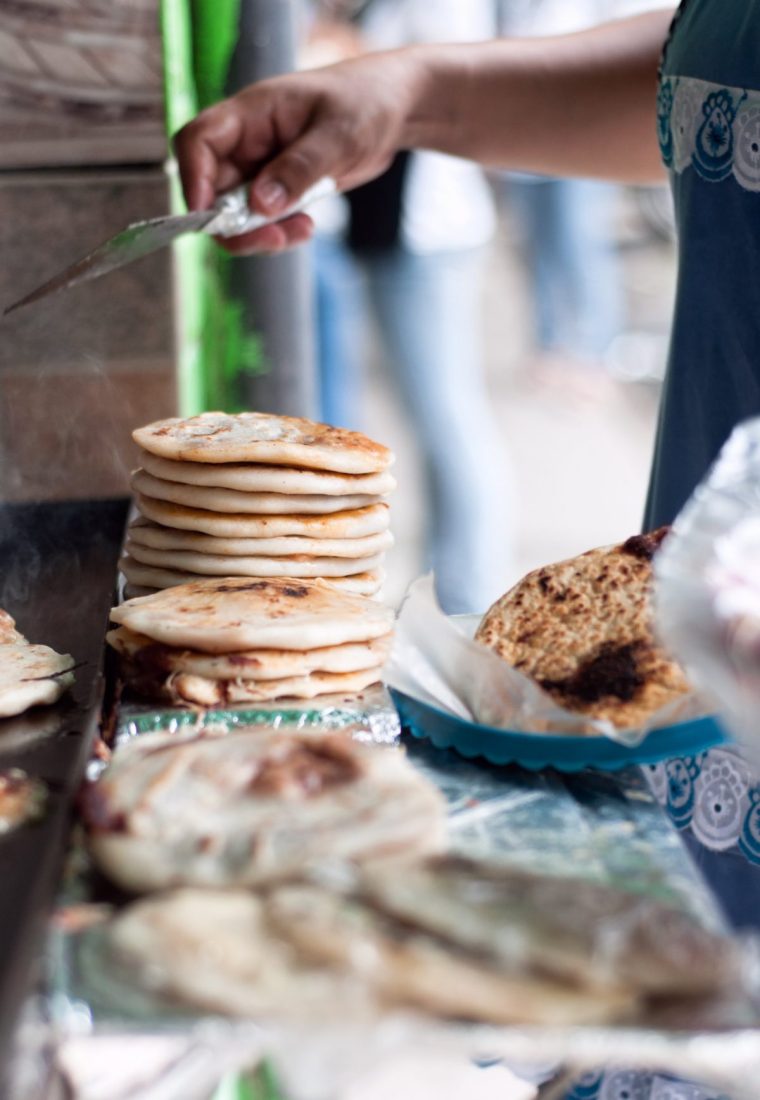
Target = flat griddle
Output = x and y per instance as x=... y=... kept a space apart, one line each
x=58 y=566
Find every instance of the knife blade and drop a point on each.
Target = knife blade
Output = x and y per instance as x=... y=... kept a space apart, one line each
x=229 y=217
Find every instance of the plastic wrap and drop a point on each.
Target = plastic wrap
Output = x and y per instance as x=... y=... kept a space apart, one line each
x=707 y=586
x=370 y=716
x=435 y=660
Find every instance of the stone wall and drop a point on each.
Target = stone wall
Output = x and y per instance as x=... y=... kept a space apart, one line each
x=80 y=83
x=80 y=370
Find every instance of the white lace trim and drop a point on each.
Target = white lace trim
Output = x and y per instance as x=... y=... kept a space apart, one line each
x=712 y=128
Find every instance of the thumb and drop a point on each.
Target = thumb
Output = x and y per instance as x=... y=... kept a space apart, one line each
x=320 y=152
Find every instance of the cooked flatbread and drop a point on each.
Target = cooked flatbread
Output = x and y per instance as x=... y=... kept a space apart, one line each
x=264 y=942
x=233 y=613
x=231 y=501
x=152 y=658
x=266 y=963
x=581 y=932
x=182 y=688
x=359 y=584
x=263 y=437
x=582 y=629
x=8 y=632
x=145 y=533
x=153 y=577
x=254 y=478
x=405 y=965
x=218 y=565
x=355 y=523
x=254 y=807
x=32 y=675
x=213 y=949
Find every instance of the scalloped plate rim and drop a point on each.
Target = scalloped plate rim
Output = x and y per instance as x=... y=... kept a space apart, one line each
x=565 y=753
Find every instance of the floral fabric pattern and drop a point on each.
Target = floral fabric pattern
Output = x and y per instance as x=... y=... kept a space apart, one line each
x=715 y=796
x=622 y=1084
x=713 y=129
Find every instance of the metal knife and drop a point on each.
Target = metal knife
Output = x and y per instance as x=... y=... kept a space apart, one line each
x=229 y=217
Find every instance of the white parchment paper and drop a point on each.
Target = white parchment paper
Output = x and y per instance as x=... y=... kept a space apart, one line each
x=435 y=660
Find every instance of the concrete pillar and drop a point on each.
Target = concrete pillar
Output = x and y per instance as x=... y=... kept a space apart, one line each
x=276 y=291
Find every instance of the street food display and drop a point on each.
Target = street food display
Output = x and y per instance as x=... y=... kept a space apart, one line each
x=287 y=868
x=258 y=495
x=30 y=675
x=257 y=841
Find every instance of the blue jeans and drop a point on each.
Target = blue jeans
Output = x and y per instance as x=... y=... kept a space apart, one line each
x=428 y=312
x=566 y=226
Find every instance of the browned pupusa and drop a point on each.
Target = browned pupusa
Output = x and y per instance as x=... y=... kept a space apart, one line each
x=218 y=437
x=582 y=630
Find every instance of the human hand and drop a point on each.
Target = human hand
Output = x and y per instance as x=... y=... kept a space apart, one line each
x=283 y=134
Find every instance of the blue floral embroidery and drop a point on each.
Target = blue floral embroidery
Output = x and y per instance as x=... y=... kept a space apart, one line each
x=711 y=128
x=664 y=128
x=616 y=1084
x=626 y=1084
x=749 y=841
x=681 y=774
x=714 y=147
x=586 y=1087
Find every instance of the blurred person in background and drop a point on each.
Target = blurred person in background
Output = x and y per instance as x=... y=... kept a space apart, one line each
x=407 y=252
x=567 y=228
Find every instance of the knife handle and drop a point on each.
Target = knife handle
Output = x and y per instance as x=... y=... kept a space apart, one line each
x=235 y=216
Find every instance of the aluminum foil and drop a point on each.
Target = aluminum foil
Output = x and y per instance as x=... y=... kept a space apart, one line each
x=370 y=716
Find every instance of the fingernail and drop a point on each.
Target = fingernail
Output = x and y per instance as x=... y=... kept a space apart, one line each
x=272 y=194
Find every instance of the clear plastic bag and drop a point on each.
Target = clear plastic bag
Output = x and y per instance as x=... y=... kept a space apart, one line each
x=707 y=587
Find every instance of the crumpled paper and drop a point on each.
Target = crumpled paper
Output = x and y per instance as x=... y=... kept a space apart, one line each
x=707 y=586
x=435 y=660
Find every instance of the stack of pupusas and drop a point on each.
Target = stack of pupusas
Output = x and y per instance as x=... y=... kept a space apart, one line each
x=239 y=640
x=258 y=495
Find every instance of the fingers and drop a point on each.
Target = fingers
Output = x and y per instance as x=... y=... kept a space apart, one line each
x=203 y=150
x=271 y=238
x=339 y=123
x=323 y=150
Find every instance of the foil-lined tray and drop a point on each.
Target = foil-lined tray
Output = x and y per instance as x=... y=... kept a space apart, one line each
x=603 y=828
x=370 y=715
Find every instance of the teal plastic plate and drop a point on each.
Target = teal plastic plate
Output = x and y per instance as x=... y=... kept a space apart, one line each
x=567 y=754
